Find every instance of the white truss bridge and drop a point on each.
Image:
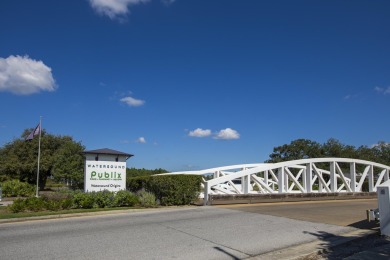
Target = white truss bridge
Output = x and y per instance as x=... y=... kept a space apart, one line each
x=317 y=175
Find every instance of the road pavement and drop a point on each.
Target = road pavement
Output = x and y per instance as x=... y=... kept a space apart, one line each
x=336 y=212
x=182 y=233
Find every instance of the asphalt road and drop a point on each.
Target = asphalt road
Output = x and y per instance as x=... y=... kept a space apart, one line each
x=336 y=212
x=183 y=233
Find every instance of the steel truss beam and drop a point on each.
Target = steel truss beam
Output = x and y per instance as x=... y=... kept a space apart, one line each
x=316 y=175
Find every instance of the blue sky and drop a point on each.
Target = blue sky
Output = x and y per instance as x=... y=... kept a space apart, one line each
x=186 y=85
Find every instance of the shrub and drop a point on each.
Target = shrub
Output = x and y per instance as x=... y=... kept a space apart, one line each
x=83 y=200
x=35 y=204
x=66 y=203
x=17 y=206
x=169 y=189
x=125 y=198
x=53 y=205
x=88 y=201
x=58 y=200
x=103 y=199
x=136 y=184
x=147 y=199
x=57 y=196
x=15 y=188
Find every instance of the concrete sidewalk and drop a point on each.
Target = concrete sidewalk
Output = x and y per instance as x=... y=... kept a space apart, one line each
x=364 y=243
x=356 y=245
x=5 y=202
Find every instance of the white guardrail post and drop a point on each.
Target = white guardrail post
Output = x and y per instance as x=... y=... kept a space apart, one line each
x=206 y=193
x=383 y=192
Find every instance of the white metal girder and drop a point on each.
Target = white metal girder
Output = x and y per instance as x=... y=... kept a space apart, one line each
x=279 y=177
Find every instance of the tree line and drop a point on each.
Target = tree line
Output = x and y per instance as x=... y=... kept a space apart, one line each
x=304 y=148
x=62 y=157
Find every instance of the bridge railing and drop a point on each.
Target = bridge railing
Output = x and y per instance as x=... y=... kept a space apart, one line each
x=316 y=175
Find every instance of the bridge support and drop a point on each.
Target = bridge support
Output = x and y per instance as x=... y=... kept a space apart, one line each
x=308 y=178
x=298 y=176
x=352 y=173
x=281 y=180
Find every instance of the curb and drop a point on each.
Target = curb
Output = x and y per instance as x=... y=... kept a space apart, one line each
x=89 y=214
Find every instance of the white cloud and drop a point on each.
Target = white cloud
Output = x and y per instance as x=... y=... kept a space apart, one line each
x=132 y=101
x=382 y=90
x=119 y=9
x=25 y=76
x=114 y=8
x=141 y=140
x=199 y=132
x=227 y=134
x=351 y=96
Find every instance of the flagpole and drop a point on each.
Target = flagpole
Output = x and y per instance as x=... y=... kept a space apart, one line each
x=39 y=152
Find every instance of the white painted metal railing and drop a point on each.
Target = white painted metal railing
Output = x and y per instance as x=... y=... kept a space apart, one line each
x=318 y=175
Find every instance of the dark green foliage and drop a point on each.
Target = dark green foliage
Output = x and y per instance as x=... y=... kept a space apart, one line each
x=67 y=203
x=67 y=200
x=169 y=189
x=35 y=204
x=104 y=199
x=58 y=200
x=125 y=198
x=137 y=183
x=83 y=200
x=39 y=204
x=17 y=206
x=15 y=188
x=297 y=149
x=53 y=205
x=303 y=148
x=68 y=166
x=61 y=157
x=29 y=204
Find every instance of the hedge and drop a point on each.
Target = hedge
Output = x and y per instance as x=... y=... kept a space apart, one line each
x=168 y=189
x=63 y=201
x=16 y=188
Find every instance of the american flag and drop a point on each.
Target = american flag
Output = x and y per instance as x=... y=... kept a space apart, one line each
x=36 y=131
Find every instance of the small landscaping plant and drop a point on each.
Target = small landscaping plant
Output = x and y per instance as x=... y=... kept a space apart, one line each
x=16 y=188
x=147 y=199
x=125 y=198
x=80 y=200
x=143 y=191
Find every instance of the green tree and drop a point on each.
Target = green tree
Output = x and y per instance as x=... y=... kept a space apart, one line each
x=18 y=159
x=68 y=164
x=334 y=148
x=379 y=153
x=383 y=152
x=297 y=149
x=303 y=148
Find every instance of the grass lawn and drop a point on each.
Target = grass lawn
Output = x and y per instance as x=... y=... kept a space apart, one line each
x=5 y=214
